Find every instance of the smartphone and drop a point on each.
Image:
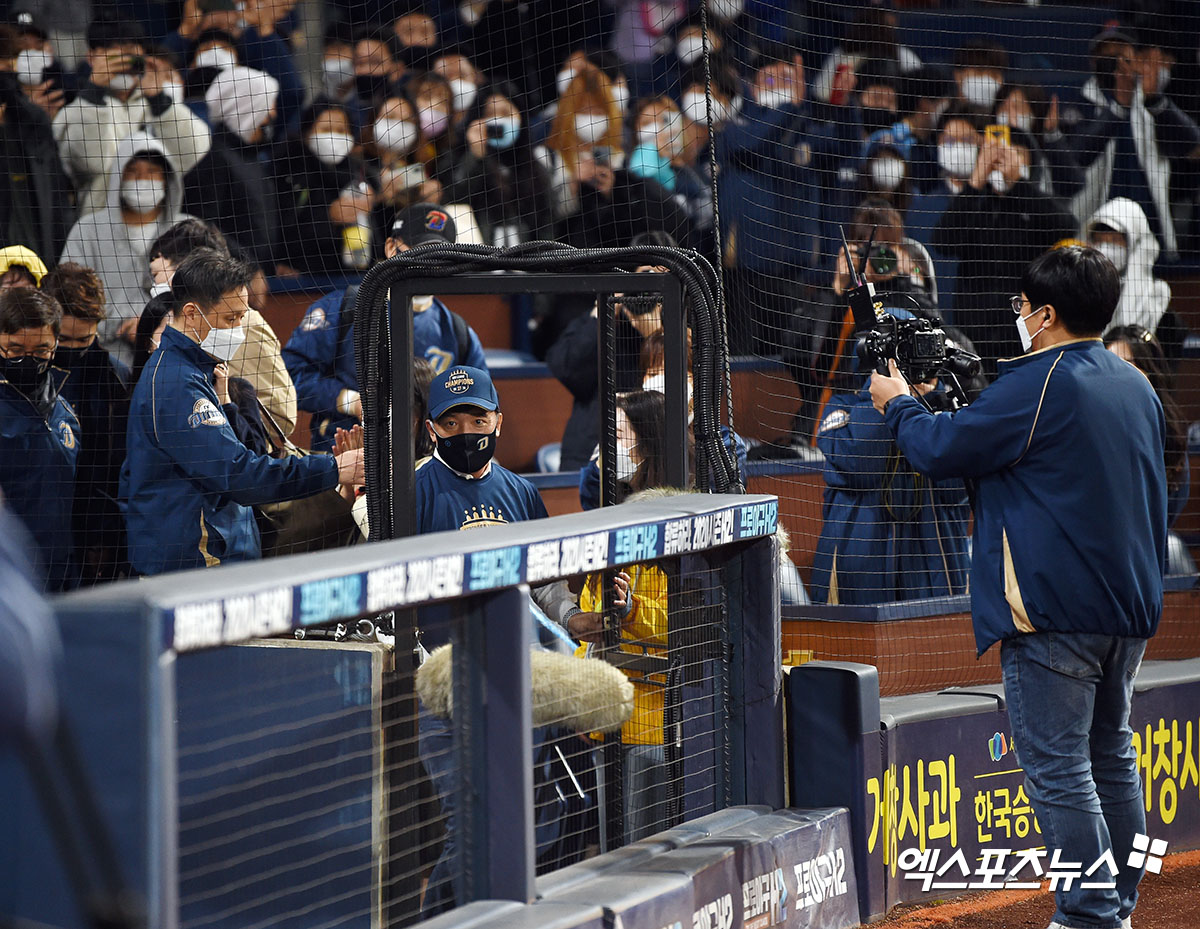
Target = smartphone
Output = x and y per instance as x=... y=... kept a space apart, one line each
x=1001 y=134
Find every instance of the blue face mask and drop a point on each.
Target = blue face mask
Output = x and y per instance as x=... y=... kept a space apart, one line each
x=646 y=161
x=503 y=132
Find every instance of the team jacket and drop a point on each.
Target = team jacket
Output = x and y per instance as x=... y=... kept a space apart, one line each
x=37 y=474
x=888 y=533
x=1066 y=447
x=189 y=482
x=320 y=358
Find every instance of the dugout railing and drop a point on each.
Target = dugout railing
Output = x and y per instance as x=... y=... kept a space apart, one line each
x=249 y=778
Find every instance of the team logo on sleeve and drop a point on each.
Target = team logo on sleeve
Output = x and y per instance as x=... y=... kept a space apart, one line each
x=313 y=319
x=835 y=420
x=205 y=414
x=66 y=435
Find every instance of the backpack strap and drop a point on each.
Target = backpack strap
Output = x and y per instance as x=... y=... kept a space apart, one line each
x=462 y=338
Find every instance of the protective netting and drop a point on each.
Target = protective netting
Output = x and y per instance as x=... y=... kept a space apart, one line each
x=311 y=141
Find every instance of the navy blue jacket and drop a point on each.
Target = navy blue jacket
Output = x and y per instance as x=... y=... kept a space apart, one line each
x=1066 y=446
x=189 y=482
x=320 y=358
x=888 y=532
x=37 y=474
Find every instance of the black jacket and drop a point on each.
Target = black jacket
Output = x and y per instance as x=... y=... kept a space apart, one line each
x=37 y=199
x=574 y=360
x=233 y=187
x=306 y=187
x=994 y=237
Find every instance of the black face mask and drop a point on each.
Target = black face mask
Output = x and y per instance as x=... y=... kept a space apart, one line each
x=876 y=118
x=28 y=374
x=467 y=452
x=70 y=357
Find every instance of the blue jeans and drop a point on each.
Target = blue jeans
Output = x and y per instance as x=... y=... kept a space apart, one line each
x=1068 y=701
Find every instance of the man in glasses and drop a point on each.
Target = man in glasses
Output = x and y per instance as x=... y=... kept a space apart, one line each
x=1065 y=449
x=39 y=432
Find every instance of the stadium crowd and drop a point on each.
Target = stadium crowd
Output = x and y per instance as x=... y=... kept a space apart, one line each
x=200 y=148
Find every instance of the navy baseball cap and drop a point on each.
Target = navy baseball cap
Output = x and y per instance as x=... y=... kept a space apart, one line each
x=423 y=223
x=462 y=385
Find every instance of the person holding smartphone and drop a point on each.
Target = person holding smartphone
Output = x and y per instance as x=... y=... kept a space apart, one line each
x=126 y=92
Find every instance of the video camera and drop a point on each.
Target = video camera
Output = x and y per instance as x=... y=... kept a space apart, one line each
x=918 y=345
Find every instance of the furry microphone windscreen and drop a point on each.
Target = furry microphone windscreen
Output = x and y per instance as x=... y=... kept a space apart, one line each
x=583 y=694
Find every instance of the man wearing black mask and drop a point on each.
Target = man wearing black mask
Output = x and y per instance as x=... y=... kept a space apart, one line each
x=39 y=431
x=98 y=391
x=878 y=99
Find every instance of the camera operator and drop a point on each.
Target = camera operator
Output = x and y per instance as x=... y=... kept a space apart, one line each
x=1066 y=450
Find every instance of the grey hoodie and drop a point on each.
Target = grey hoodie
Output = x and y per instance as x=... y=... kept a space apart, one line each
x=1144 y=298
x=102 y=241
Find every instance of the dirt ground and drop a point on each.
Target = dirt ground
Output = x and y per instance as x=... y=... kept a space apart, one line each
x=1170 y=900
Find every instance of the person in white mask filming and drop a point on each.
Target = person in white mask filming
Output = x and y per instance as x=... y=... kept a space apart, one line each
x=189 y=481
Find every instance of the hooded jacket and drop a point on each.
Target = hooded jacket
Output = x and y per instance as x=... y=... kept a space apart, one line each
x=91 y=130
x=1066 y=447
x=189 y=481
x=1144 y=298
x=102 y=241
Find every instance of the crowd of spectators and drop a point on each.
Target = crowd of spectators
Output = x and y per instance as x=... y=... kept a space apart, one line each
x=597 y=123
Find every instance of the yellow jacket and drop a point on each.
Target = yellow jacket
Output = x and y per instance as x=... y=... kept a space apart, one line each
x=646 y=625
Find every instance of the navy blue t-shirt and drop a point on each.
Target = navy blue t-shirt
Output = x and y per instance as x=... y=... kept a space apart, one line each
x=446 y=501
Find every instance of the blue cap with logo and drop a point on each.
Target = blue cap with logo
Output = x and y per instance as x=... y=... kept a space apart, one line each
x=462 y=385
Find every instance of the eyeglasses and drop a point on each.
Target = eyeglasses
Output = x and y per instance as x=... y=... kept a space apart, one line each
x=42 y=353
x=1016 y=303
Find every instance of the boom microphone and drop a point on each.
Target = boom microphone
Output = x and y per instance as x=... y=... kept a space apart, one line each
x=580 y=694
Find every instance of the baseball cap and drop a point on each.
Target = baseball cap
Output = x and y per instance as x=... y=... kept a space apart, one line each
x=27 y=24
x=423 y=223
x=462 y=385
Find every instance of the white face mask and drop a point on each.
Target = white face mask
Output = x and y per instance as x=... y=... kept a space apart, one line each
x=216 y=56
x=774 y=97
x=980 y=90
x=1117 y=254
x=626 y=467
x=142 y=196
x=727 y=10
x=31 y=66
x=331 y=148
x=887 y=173
x=563 y=79
x=395 y=135
x=689 y=48
x=694 y=109
x=123 y=83
x=590 y=129
x=958 y=158
x=997 y=182
x=1022 y=121
x=1023 y=330
x=159 y=289
x=223 y=344
x=434 y=122
x=620 y=94
x=336 y=74
x=463 y=93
